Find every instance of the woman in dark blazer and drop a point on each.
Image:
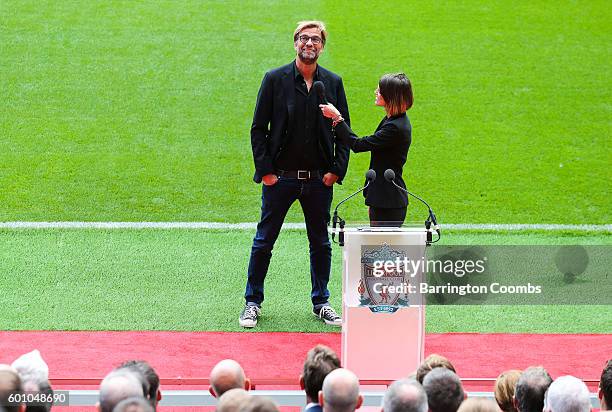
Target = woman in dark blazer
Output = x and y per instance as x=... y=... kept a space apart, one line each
x=389 y=147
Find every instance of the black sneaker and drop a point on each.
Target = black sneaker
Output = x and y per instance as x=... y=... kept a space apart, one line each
x=328 y=315
x=249 y=315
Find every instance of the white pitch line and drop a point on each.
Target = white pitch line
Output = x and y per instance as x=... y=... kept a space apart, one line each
x=526 y=226
x=253 y=225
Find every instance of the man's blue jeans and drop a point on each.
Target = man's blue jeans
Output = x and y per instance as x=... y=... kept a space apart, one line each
x=315 y=199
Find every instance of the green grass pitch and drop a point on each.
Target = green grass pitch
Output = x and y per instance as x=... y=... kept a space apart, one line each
x=140 y=111
x=131 y=110
x=194 y=280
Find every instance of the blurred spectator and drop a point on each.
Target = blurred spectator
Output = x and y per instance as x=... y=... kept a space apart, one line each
x=259 y=404
x=149 y=376
x=119 y=385
x=232 y=400
x=226 y=375
x=405 y=395
x=504 y=389
x=134 y=405
x=43 y=388
x=530 y=389
x=605 y=388
x=567 y=394
x=431 y=362
x=444 y=390
x=31 y=367
x=320 y=361
x=34 y=374
x=9 y=384
x=340 y=392
x=478 y=405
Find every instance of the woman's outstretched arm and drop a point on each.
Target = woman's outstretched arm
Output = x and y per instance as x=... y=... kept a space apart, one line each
x=388 y=135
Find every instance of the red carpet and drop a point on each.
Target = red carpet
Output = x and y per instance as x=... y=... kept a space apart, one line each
x=90 y=355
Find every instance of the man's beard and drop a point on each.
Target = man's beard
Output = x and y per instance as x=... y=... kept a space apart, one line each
x=307 y=58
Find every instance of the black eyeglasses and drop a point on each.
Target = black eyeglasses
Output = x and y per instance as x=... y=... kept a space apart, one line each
x=314 y=39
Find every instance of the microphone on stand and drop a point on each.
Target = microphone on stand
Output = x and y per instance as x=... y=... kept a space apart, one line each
x=390 y=177
x=370 y=177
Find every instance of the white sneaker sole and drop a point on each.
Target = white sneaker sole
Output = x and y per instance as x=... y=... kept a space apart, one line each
x=328 y=322
x=247 y=323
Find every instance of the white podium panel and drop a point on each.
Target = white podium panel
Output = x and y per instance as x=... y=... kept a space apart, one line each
x=383 y=327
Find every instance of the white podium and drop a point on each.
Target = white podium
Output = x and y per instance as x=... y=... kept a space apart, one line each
x=383 y=327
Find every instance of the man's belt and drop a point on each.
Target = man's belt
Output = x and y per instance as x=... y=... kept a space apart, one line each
x=300 y=174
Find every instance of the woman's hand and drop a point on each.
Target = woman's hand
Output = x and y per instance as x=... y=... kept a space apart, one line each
x=329 y=110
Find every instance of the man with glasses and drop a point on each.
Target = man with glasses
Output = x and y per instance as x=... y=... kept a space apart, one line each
x=296 y=158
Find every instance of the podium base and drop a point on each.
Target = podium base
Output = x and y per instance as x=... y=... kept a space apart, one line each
x=383 y=331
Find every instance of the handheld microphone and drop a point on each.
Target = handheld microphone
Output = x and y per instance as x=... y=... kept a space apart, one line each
x=370 y=177
x=319 y=88
x=390 y=177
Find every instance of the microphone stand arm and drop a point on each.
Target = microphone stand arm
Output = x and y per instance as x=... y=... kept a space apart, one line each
x=338 y=220
x=430 y=219
x=357 y=192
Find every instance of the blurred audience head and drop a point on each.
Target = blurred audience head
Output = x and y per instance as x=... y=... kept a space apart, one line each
x=340 y=392
x=431 y=362
x=34 y=374
x=43 y=388
x=605 y=387
x=137 y=404
x=444 y=390
x=31 y=367
x=530 y=389
x=405 y=395
x=226 y=375
x=504 y=389
x=567 y=394
x=232 y=400
x=478 y=405
x=259 y=404
x=150 y=377
x=320 y=361
x=119 y=385
x=10 y=383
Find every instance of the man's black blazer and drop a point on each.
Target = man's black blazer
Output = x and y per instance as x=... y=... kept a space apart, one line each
x=274 y=118
x=389 y=146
